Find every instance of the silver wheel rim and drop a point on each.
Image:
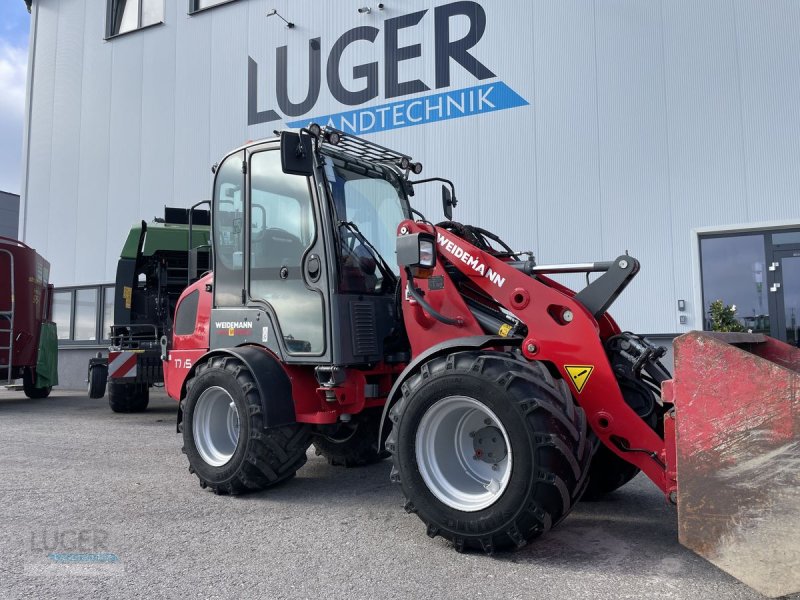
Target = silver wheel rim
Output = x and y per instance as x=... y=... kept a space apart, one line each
x=448 y=453
x=215 y=426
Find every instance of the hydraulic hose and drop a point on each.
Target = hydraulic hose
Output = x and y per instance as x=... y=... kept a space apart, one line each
x=412 y=289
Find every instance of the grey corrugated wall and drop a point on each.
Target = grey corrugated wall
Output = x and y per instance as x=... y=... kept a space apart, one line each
x=645 y=120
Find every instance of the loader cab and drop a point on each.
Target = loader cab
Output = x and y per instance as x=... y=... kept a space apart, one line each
x=304 y=262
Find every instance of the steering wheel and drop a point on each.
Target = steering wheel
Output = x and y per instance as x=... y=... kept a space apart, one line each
x=277 y=232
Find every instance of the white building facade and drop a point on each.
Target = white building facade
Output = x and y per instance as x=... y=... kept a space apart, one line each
x=575 y=129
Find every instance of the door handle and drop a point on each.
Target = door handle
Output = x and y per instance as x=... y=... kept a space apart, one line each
x=313 y=267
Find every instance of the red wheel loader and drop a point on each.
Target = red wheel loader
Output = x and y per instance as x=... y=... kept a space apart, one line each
x=28 y=340
x=337 y=315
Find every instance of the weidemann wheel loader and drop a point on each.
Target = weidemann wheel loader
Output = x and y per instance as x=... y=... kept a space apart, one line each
x=336 y=314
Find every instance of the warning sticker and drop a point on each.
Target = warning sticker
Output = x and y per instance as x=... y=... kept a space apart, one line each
x=579 y=374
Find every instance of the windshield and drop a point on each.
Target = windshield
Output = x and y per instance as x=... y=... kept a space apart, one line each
x=370 y=204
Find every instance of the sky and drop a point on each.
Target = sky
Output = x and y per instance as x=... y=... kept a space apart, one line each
x=14 y=29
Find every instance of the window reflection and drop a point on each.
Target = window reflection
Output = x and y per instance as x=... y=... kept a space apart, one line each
x=201 y=4
x=786 y=237
x=734 y=271
x=229 y=232
x=791 y=298
x=128 y=15
x=108 y=312
x=62 y=314
x=282 y=229
x=86 y=314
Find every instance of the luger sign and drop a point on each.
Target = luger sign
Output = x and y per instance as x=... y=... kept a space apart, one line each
x=417 y=107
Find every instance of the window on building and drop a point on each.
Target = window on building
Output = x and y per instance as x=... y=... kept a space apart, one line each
x=62 y=314
x=85 y=327
x=758 y=272
x=129 y=15
x=108 y=312
x=734 y=272
x=83 y=315
x=197 y=5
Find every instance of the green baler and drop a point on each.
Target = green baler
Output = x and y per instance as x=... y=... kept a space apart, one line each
x=158 y=260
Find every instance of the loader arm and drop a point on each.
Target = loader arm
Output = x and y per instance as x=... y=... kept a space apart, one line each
x=561 y=331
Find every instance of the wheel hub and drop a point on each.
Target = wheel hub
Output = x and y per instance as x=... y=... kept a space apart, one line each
x=215 y=426
x=489 y=445
x=463 y=453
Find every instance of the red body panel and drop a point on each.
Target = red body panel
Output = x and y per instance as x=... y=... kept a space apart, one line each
x=534 y=301
x=33 y=303
x=187 y=349
x=319 y=406
x=312 y=403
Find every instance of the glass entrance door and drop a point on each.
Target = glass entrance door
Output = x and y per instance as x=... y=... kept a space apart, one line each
x=757 y=274
x=786 y=287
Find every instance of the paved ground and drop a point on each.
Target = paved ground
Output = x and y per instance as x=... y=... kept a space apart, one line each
x=77 y=477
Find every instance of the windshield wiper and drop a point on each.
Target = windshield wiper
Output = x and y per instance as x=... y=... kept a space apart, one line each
x=386 y=271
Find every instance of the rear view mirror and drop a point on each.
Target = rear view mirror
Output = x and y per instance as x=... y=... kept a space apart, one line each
x=296 y=157
x=447 y=203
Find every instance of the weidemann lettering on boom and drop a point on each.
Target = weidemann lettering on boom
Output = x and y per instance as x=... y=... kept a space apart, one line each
x=471 y=261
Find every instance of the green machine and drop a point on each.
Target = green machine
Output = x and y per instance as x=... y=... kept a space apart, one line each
x=158 y=260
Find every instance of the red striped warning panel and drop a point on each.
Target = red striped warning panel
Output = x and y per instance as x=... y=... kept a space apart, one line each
x=122 y=364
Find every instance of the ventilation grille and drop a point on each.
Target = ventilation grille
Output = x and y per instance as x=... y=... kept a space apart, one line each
x=365 y=336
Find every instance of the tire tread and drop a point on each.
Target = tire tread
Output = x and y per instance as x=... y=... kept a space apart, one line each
x=557 y=427
x=272 y=455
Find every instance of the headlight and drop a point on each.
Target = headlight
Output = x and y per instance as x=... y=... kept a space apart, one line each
x=417 y=251
x=427 y=257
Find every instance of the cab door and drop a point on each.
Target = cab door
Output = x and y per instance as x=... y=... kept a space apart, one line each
x=286 y=260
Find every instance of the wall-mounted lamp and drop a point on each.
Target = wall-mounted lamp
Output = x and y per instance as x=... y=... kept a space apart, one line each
x=365 y=10
x=274 y=12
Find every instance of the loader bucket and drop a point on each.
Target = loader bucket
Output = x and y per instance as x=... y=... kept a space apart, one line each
x=737 y=425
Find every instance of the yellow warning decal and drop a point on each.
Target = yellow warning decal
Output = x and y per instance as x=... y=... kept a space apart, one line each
x=127 y=292
x=579 y=374
x=504 y=330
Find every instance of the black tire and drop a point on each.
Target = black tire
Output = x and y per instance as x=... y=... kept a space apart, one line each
x=353 y=444
x=29 y=386
x=546 y=431
x=128 y=397
x=98 y=377
x=262 y=457
x=608 y=472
